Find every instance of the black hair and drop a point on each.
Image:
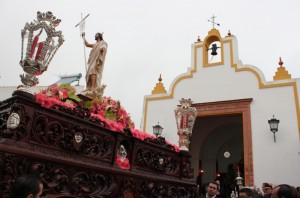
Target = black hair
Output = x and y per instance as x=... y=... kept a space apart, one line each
x=248 y=191
x=100 y=35
x=24 y=186
x=286 y=191
x=213 y=182
x=267 y=185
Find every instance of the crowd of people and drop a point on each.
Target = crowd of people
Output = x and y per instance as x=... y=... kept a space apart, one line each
x=30 y=186
x=26 y=186
x=214 y=190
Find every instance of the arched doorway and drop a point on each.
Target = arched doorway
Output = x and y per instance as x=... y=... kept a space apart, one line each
x=222 y=129
x=221 y=151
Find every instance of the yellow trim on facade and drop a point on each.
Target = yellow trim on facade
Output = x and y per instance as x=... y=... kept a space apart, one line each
x=190 y=75
x=261 y=84
x=159 y=89
x=213 y=35
x=282 y=74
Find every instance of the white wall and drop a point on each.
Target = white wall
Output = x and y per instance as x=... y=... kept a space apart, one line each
x=273 y=162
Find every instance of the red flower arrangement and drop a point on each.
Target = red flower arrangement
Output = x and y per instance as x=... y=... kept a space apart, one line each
x=110 y=109
x=123 y=164
x=59 y=92
x=105 y=109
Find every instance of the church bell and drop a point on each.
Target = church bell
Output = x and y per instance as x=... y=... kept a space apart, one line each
x=214 y=49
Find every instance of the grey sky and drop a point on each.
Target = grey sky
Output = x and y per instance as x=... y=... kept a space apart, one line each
x=148 y=38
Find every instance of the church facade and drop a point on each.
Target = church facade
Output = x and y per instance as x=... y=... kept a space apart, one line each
x=234 y=103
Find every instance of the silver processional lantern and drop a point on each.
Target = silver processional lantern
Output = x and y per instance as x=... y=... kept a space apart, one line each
x=42 y=43
x=185 y=118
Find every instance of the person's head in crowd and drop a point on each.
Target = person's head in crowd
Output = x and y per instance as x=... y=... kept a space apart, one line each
x=26 y=186
x=267 y=188
x=284 y=191
x=212 y=189
x=298 y=188
x=246 y=192
x=257 y=193
x=298 y=191
x=218 y=182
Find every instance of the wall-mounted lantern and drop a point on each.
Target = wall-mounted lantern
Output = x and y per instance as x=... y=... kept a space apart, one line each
x=273 y=126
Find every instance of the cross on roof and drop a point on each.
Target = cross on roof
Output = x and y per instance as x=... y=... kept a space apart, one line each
x=212 y=20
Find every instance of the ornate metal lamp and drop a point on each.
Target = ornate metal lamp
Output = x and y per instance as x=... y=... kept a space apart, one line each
x=239 y=179
x=157 y=130
x=39 y=54
x=273 y=126
x=185 y=118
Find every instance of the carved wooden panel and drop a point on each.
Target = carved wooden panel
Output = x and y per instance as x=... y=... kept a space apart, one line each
x=147 y=158
x=75 y=155
x=54 y=133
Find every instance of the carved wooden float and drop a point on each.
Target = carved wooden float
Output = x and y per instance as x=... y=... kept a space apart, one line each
x=75 y=155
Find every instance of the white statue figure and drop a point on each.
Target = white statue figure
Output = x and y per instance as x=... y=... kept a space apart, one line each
x=122 y=152
x=95 y=66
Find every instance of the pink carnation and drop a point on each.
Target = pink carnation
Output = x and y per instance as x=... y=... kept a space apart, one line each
x=123 y=164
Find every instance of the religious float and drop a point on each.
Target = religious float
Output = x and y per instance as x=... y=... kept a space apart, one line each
x=79 y=146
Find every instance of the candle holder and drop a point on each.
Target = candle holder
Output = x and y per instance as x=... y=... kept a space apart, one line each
x=239 y=180
x=43 y=42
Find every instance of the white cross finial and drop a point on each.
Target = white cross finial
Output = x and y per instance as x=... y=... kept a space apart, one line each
x=82 y=20
x=212 y=20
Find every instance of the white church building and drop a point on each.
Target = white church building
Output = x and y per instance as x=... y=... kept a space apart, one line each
x=234 y=103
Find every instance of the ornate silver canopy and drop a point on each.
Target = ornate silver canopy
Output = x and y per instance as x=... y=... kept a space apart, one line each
x=42 y=43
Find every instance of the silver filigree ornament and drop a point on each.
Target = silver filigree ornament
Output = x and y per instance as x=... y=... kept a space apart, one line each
x=43 y=42
x=161 y=161
x=13 y=121
x=122 y=152
x=78 y=138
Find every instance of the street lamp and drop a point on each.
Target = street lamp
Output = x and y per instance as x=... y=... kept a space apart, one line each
x=157 y=130
x=273 y=126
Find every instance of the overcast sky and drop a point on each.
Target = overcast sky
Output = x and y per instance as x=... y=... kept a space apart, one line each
x=148 y=38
